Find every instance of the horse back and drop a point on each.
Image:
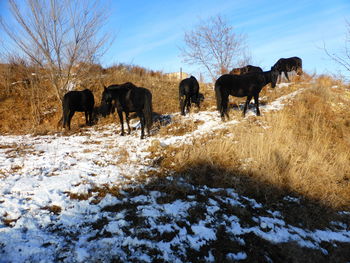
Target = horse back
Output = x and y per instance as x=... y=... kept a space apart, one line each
x=251 y=69
x=78 y=101
x=288 y=64
x=245 y=70
x=118 y=94
x=135 y=98
x=241 y=85
x=188 y=86
x=88 y=100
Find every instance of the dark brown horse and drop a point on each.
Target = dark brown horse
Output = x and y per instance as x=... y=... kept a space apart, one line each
x=81 y=101
x=247 y=85
x=128 y=98
x=189 y=93
x=245 y=70
x=285 y=65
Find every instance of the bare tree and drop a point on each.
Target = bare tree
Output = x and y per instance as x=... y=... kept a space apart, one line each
x=343 y=56
x=214 y=45
x=58 y=35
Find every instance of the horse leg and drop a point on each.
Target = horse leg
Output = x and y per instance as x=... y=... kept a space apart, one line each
x=280 y=76
x=127 y=121
x=143 y=122
x=182 y=105
x=90 y=117
x=224 y=105
x=65 y=118
x=286 y=74
x=188 y=103
x=246 y=104
x=86 y=118
x=120 y=114
x=70 y=116
x=299 y=71
x=256 y=100
x=148 y=131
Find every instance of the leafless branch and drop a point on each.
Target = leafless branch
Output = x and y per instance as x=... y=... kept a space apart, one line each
x=342 y=57
x=58 y=35
x=214 y=45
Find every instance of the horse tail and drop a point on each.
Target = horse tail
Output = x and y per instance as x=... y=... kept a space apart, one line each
x=147 y=110
x=65 y=110
x=182 y=96
x=218 y=96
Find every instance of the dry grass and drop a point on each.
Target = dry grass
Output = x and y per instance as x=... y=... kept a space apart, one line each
x=306 y=149
x=55 y=209
x=179 y=127
x=34 y=108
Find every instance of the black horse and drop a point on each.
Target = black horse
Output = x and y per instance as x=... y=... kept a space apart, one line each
x=245 y=70
x=189 y=93
x=128 y=98
x=247 y=85
x=286 y=65
x=81 y=101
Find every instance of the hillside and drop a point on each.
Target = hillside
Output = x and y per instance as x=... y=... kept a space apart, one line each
x=274 y=188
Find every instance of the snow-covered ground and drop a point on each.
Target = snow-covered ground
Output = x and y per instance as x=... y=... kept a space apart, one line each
x=49 y=212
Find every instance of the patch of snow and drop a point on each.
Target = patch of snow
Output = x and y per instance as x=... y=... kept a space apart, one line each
x=48 y=184
x=238 y=256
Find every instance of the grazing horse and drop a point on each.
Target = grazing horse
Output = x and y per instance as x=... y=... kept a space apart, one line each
x=81 y=101
x=247 y=85
x=189 y=93
x=245 y=70
x=286 y=65
x=128 y=98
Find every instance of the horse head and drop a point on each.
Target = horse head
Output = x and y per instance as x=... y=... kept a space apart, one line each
x=106 y=103
x=96 y=114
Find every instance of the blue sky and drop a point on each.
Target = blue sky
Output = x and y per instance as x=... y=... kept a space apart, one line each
x=149 y=33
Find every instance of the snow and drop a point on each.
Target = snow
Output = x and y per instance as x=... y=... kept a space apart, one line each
x=41 y=173
x=238 y=256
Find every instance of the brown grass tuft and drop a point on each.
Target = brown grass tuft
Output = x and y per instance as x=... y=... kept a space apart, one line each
x=55 y=209
x=179 y=127
x=29 y=104
x=306 y=149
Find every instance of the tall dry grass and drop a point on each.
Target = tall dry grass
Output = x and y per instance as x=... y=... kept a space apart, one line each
x=31 y=107
x=305 y=149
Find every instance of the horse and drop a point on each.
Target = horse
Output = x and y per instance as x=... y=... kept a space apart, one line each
x=245 y=70
x=81 y=101
x=189 y=93
x=247 y=85
x=286 y=65
x=128 y=98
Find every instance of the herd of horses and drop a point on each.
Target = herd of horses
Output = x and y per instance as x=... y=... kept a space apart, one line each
x=247 y=82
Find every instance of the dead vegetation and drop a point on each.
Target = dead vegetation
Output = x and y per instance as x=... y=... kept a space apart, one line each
x=303 y=149
x=29 y=103
x=301 y=152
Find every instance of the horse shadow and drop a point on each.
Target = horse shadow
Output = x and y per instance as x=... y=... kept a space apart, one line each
x=239 y=107
x=159 y=120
